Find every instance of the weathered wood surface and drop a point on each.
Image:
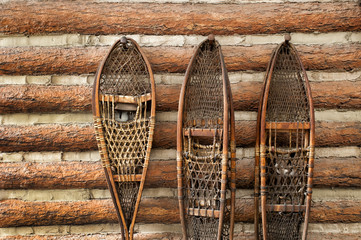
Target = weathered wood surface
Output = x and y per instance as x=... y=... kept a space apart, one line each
x=38 y=98
x=346 y=211
x=329 y=172
x=151 y=210
x=53 y=137
x=175 y=236
x=50 y=137
x=337 y=172
x=85 y=60
x=41 y=98
x=336 y=94
x=336 y=134
x=67 y=175
x=100 y=236
x=22 y=213
x=150 y=18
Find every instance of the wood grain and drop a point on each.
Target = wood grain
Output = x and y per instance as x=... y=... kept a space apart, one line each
x=39 y=98
x=329 y=172
x=151 y=18
x=174 y=236
x=22 y=213
x=53 y=137
x=85 y=60
x=50 y=137
x=99 y=236
x=151 y=210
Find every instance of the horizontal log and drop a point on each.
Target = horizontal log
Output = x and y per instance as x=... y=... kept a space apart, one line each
x=53 y=175
x=47 y=138
x=115 y=18
x=22 y=213
x=99 y=236
x=334 y=211
x=67 y=175
x=328 y=172
x=50 y=60
x=85 y=60
x=338 y=134
x=338 y=172
x=152 y=210
x=54 y=137
x=38 y=98
x=338 y=94
x=174 y=236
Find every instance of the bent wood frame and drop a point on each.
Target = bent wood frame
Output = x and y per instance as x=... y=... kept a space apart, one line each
x=257 y=154
x=228 y=168
x=260 y=152
x=127 y=233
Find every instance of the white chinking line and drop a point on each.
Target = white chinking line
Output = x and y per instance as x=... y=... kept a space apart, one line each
x=173 y=78
x=319 y=195
x=66 y=40
x=26 y=119
x=156 y=154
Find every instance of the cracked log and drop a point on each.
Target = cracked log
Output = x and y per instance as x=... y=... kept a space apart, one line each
x=37 y=98
x=329 y=172
x=53 y=137
x=183 y=19
x=151 y=210
x=85 y=60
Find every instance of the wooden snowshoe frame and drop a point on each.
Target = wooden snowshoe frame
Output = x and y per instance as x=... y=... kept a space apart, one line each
x=124 y=119
x=284 y=157
x=206 y=150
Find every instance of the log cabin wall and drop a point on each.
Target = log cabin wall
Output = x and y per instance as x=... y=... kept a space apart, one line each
x=51 y=181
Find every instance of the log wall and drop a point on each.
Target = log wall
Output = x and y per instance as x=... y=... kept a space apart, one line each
x=52 y=184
